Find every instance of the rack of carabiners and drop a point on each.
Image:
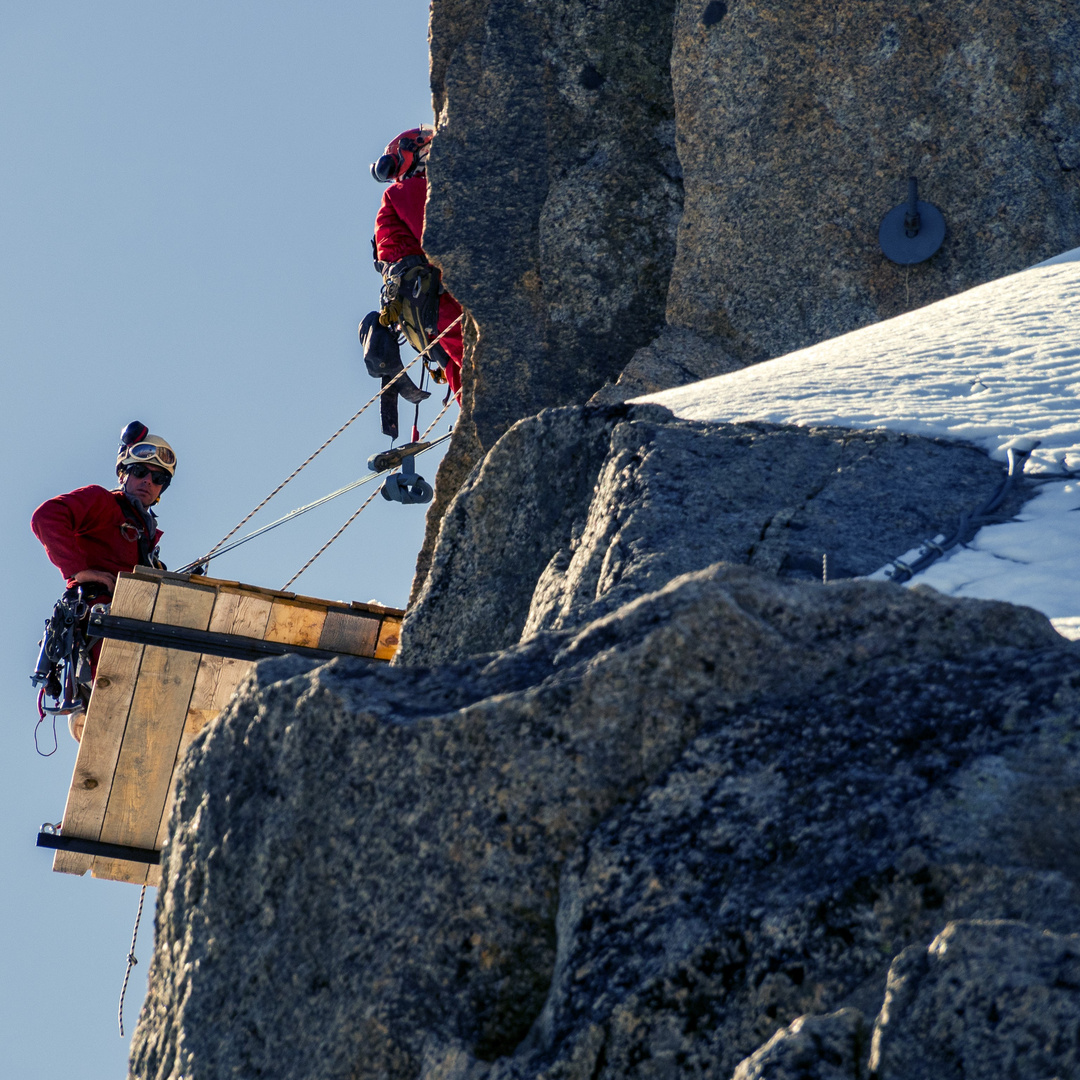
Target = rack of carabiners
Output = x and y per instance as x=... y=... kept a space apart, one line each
x=62 y=671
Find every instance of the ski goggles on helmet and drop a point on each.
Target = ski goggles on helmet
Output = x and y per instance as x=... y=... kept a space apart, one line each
x=159 y=476
x=148 y=451
x=405 y=156
x=386 y=168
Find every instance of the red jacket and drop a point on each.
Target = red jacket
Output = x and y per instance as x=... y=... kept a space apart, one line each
x=399 y=228
x=86 y=530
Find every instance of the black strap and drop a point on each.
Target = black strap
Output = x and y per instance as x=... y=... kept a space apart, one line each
x=145 y=527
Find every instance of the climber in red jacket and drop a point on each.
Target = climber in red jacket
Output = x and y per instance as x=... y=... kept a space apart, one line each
x=399 y=229
x=91 y=534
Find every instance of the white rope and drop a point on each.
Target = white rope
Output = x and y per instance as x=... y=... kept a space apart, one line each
x=356 y=416
x=367 y=502
x=131 y=961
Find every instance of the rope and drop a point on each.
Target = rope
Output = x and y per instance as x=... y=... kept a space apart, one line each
x=41 y=720
x=967 y=526
x=366 y=479
x=131 y=961
x=356 y=416
x=363 y=506
x=366 y=503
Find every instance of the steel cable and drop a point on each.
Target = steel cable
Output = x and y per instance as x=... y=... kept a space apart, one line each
x=367 y=501
x=356 y=416
x=966 y=528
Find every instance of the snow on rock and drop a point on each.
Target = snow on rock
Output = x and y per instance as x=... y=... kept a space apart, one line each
x=992 y=365
x=997 y=366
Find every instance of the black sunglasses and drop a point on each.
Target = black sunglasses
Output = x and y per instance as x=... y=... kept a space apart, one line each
x=159 y=476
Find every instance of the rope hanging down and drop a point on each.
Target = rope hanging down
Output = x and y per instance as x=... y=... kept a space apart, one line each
x=367 y=502
x=215 y=550
x=131 y=961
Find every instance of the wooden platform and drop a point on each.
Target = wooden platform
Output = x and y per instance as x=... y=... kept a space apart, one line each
x=150 y=701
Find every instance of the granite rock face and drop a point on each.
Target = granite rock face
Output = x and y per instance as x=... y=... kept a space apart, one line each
x=579 y=510
x=554 y=200
x=830 y=1047
x=799 y=123
x=986 y=1000
x=675 y=358
x=555 y=191
x=633 y=849
x=684 y=186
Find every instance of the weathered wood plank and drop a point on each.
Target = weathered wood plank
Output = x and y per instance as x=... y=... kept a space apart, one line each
x=103 y=734
x=389 y=638
x=155 y=724
x=296 y=623
x=344 y=632
x=218 y=677
x=122 y=787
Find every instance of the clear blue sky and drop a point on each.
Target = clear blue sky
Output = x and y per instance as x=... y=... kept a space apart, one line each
x=185 y=211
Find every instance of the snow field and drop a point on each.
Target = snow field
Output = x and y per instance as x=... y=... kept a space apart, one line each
x=997 y=366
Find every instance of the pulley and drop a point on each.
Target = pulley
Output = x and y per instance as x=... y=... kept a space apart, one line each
x=407 y=486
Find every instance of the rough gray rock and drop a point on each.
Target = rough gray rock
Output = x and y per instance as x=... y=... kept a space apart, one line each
x=796 y=126
x=831 y=1047
x=731 y=776
x=675 y=358
x=799 y=123
x=555 y=190
x=986 y=1000
x=554 y=198
x=579 y=510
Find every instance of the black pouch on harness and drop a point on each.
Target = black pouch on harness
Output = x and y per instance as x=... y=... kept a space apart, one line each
x=382 y=357
x=410 y=296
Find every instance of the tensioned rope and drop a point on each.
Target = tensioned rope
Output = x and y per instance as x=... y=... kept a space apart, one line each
x=367 y=502
x=366 y=479
x=296 y=472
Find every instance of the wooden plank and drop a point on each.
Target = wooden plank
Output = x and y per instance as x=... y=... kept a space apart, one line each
x=372 y=607
x=296 y=623
x=115 y=786
x=346 y=632
x=155 y=724
x=235 y=612
x=389 y=638
x=106 y=719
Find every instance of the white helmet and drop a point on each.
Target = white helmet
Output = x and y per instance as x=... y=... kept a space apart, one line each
x=139 y=447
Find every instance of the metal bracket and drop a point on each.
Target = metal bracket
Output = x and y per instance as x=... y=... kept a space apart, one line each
x=913 y=231
x=81 y=846
x=235 y=646
x=391 y=459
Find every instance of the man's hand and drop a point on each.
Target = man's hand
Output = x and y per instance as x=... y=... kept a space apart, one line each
x=102 y=577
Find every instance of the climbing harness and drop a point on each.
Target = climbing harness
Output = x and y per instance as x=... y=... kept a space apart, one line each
x=62 y=671
x=131 y=961
x=409 y=302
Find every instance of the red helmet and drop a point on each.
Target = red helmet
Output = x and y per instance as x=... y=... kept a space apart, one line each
x=406 y=156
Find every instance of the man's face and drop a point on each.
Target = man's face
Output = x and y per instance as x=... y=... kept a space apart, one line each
x=143 y=488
